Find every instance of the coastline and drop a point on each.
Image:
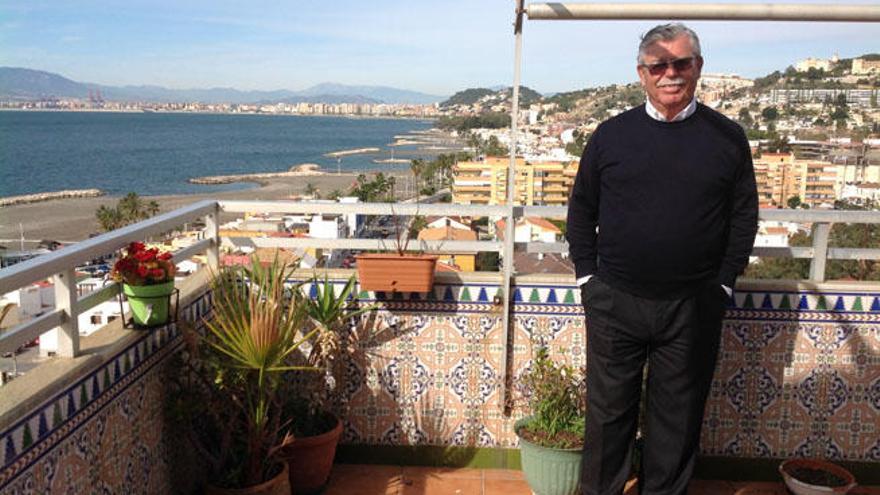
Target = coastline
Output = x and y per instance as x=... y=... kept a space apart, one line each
x=73 y=219
x=190 y=112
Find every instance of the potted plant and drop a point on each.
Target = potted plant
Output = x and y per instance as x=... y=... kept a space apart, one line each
x=816 y=477
x=230 y=390
x=397 y=272
x=147 y=277
x=551 y=438
x=317 y=406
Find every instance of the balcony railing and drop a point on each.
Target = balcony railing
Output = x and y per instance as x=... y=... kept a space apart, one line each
x=60 y=265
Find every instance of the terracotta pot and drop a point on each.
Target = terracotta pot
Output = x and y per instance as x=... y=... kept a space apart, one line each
x=311 y=460
x=279 y=485
x=395 y=273
x=799 y=487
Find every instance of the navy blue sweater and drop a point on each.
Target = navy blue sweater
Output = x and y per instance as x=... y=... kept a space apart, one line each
x=675 y=203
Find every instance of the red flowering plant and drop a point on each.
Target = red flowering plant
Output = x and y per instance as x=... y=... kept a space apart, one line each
x=143 y=266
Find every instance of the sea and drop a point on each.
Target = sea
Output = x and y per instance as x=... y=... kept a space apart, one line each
x=155 y=153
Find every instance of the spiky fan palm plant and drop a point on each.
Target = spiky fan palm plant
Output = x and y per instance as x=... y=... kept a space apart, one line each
x=255 y=326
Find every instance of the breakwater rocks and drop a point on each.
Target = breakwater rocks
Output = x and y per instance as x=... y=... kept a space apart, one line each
x=295 y=171
x=38 y=197
x=358 y=151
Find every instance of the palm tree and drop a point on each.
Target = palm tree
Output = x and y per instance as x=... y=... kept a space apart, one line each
x=417 y=167
x=108 y=218
x=311 y=190
x=130 y=209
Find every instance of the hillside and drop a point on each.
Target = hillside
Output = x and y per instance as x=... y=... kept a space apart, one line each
x=491 y=97
x=20 y=84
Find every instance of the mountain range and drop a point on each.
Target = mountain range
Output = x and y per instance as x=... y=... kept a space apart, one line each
x=22 y=84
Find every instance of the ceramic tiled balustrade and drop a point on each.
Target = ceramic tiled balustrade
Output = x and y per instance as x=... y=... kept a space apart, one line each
x=798 y=375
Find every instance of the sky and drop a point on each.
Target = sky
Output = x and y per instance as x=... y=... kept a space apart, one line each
x=432 y=46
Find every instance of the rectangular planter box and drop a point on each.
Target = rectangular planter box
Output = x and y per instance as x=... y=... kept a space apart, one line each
x=395 y=273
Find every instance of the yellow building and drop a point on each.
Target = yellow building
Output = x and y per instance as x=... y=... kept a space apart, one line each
x=781 y=176
x=465 y=261
x=485 y=182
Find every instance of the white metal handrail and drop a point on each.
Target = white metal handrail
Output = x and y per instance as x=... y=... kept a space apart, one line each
x=40 y=268
x=60 y=266
x=63 y=262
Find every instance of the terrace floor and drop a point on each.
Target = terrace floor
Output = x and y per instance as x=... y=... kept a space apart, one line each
x=361 y=479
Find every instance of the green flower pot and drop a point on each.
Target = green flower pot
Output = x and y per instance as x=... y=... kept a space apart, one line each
x=149 y=303
x=549 y=471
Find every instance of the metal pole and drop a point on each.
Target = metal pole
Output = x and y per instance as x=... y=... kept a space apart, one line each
x=694 y=11
x=507 y=317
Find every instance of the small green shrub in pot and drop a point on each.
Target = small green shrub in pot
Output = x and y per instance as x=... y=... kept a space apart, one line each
x=552 y=434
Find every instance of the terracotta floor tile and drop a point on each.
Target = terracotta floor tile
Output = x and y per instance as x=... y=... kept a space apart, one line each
x=710 y=487
x=758 y=488
x=358 y=479
x=431 y=485
x=503 y=474
x=495 y=486
x=442 y=473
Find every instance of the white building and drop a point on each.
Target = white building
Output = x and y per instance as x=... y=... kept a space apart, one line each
x=813 y=63
x=860 y=193
x=530 y=229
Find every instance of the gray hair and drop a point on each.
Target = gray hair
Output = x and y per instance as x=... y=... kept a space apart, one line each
x=668 y=32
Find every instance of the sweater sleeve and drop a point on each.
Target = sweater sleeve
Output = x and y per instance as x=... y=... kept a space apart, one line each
x=743 y=220
x=583 y=211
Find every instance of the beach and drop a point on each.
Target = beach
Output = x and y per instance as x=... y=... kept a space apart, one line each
x=73 y=219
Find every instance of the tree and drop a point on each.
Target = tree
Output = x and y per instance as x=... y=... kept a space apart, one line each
x=793 y=202
x=381 y=188
x=778 y=144
x=130 y=209
x=745 y=117
x=417 y=224
x=770 y=113
x=487 y=261
x=311 y=190
x=417 y=167
x=493 y=147
x=576 y=147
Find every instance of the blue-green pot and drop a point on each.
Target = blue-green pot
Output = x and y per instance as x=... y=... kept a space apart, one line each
x=549 y=471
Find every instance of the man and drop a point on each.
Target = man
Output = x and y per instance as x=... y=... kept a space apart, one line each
x=671 y=188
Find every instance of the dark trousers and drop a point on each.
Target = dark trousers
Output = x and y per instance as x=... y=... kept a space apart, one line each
x=679 y=340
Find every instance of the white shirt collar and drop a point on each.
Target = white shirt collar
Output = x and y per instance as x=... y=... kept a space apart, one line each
x=656 y=115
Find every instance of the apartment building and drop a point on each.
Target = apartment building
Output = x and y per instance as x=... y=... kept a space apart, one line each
x=781 y=176
x=484 y=182
x=862 y=66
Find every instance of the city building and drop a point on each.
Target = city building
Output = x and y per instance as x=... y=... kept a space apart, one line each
x=531 y=229
x=781 y=176
x=861 y=66
x=814 y=63
x=484 y=182
x=861 y=98
x=464 y=261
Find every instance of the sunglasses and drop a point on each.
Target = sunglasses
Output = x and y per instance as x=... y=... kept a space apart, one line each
x=680 y=65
